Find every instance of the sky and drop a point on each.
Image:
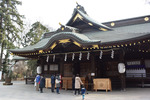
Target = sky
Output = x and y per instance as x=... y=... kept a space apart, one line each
x=51 y=12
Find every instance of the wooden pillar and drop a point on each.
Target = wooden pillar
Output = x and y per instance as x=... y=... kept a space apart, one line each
x=121 y=55
x=93 y=66
x=122 y=75
x=61 y=63
x=42 y=60
x=92 y=70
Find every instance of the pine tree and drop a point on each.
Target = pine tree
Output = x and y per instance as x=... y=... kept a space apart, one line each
x=10 y=25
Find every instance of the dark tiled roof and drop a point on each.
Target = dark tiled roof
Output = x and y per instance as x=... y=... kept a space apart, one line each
x=118 y=34
x=45 y=43
x=121 y=33
x=86 y=19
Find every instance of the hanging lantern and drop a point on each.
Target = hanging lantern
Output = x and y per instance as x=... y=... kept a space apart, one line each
x=65 y=57
x=73 y=55
x=112 y=54
x=80 y=56
x=88 y=56
x=39 y=70
x=101 y=54
x=53 y=58
x=47 y=58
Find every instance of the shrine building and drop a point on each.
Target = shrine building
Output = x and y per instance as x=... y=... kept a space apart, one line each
x=84 y=46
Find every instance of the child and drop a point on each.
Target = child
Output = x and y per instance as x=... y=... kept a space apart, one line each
x=83 y=91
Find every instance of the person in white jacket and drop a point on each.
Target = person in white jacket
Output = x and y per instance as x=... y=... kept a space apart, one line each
x=78 y=83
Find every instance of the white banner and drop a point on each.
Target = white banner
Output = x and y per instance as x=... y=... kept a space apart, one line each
x=0 y=75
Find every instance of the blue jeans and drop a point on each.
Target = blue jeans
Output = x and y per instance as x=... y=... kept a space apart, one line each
x=83 y=95
x=57 y=89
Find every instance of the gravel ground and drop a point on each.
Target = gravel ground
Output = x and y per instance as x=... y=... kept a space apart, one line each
x=20 y=91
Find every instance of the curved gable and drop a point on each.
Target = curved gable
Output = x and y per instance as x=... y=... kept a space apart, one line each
x=80 y=19
x=77 y=39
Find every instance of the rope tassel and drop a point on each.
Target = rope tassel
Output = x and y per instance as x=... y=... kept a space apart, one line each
x=73 y=55
x=101 y=54
x=80 y=56
x=112 y=54
x=47 y=58
x=65 y=57
x=53 y=58
x=88 y=56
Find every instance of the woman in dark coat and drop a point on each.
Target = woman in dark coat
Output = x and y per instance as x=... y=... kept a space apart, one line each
x=42 y=84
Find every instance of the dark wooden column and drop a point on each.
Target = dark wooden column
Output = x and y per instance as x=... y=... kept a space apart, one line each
x=61 y=63
x=121 y=55
x=122 y=75
x=42 y=61
x=93 y=66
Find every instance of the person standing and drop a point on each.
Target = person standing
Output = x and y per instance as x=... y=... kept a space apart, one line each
x=78 y=83
x=42 y=84
x=52 y=83
x=57 y=83
x=37 y=82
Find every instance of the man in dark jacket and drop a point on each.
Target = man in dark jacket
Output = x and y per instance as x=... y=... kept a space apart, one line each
x=42 y=84
x=52 y=83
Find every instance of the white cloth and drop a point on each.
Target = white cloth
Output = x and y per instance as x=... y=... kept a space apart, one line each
x=121 y=67
x=57 y=81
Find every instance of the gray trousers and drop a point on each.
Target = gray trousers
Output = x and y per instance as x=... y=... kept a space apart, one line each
x=37 y=86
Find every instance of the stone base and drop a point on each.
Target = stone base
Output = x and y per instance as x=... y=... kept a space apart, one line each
x=7 y=83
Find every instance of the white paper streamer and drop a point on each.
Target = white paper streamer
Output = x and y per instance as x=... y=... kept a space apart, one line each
x=53 y=58
x=47 y=58
x=88 y=56
x=80 y=56
x=101 y=54
x=112 y=54
x=65 y=57
x=73 y=55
